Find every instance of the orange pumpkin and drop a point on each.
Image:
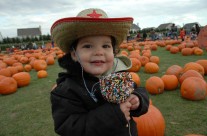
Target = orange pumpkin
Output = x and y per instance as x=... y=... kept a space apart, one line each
x=193 y=66
x=203 y=62
x=135 y=78
x=42 y=74
x=151 y=68
x=8 y=85
x=174 y=70
x=13 y=70
x=154 y=85
x=50 y=60
x=187 y=51
x=5 y=72
x=174 y=49
x=152 y=123
x=189 y=73
x=155 y=59
x=170 y=82
x=40 y=65
x=193 y=88
x=27 y=67
x=22 y=78
x=136 y=65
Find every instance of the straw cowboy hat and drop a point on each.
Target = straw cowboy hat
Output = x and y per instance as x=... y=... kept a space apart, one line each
x=87 y=23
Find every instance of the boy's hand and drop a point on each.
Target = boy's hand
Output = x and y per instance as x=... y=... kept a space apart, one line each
x=134 y=100
x=125 y=108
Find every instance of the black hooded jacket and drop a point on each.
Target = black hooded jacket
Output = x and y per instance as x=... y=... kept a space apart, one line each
x=75 y=113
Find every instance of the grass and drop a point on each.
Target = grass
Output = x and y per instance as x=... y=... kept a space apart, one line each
x=28 y=113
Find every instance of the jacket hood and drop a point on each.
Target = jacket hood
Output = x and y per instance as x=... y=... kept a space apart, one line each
x=121 y=63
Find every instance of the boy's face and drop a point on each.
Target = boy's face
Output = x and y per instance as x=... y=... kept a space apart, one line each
x=95 y=54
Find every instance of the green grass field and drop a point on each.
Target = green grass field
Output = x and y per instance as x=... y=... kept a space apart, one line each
x=28 y=111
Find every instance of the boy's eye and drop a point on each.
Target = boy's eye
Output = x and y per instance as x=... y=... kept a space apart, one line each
x=106 y=46
x=87 y=46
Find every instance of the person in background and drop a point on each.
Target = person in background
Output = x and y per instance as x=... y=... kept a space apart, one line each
x=144 y=36
x=182 y=34
x=193 y=33
x=53 y=44
x=86 y=100
x=174 y=32
x=197 y=29
x=152 y=34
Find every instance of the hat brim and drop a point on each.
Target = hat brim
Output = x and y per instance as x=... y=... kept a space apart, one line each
x=65 y=31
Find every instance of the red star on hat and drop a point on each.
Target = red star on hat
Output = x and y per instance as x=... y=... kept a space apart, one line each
x=94 y=14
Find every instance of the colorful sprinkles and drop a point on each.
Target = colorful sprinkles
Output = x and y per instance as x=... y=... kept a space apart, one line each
x=116 y=87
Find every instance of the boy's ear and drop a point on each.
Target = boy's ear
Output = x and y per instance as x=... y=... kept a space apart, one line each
x=73 y=56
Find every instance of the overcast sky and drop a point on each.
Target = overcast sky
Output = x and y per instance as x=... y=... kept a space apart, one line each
x=16 y=14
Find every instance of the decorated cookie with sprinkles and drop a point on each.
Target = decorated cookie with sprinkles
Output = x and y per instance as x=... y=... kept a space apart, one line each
x=116 y=87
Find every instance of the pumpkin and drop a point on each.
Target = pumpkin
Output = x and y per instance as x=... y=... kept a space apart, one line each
x=174 y=70
x=152 y=123
x=22 y=78
x=136 y=65
x=27 y=67
x=151 y=68
x=193 y=88
x=5 y=72
x=135 y=78
x=198 y=51
x=193 y=66
x=154 y=85
x=155 y=59
x=170 y=82
x=24 y=60
x=187 y=51
x=8 y=85
x=203 y=62
x=174 y=49
x=40 y=65
x=189 y=73
x=42 y=74
x=13 y=70
x=144 y=60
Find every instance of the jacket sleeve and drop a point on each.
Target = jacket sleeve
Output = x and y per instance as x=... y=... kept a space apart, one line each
x=144 y=102
x=72 y=118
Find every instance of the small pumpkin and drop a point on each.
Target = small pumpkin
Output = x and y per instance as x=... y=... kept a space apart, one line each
x=42 y=74
x=135 y=78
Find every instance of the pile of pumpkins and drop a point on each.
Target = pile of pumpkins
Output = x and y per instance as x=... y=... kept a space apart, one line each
x=15 y=67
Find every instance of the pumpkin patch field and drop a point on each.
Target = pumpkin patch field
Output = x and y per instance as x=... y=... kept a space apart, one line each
x=173 y=72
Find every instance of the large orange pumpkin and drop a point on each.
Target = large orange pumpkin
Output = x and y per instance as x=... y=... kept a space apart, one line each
x=193 y=88
x=193 y=66
x=151 y=124
x=154 y=85
x=8 y=85
x=40 y=65
x=189 y=73
x=22 y=78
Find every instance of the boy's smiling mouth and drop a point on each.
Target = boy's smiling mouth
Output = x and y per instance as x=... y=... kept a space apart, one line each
x=98 y=62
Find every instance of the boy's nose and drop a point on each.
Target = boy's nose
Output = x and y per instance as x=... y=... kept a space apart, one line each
x=98 y=51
